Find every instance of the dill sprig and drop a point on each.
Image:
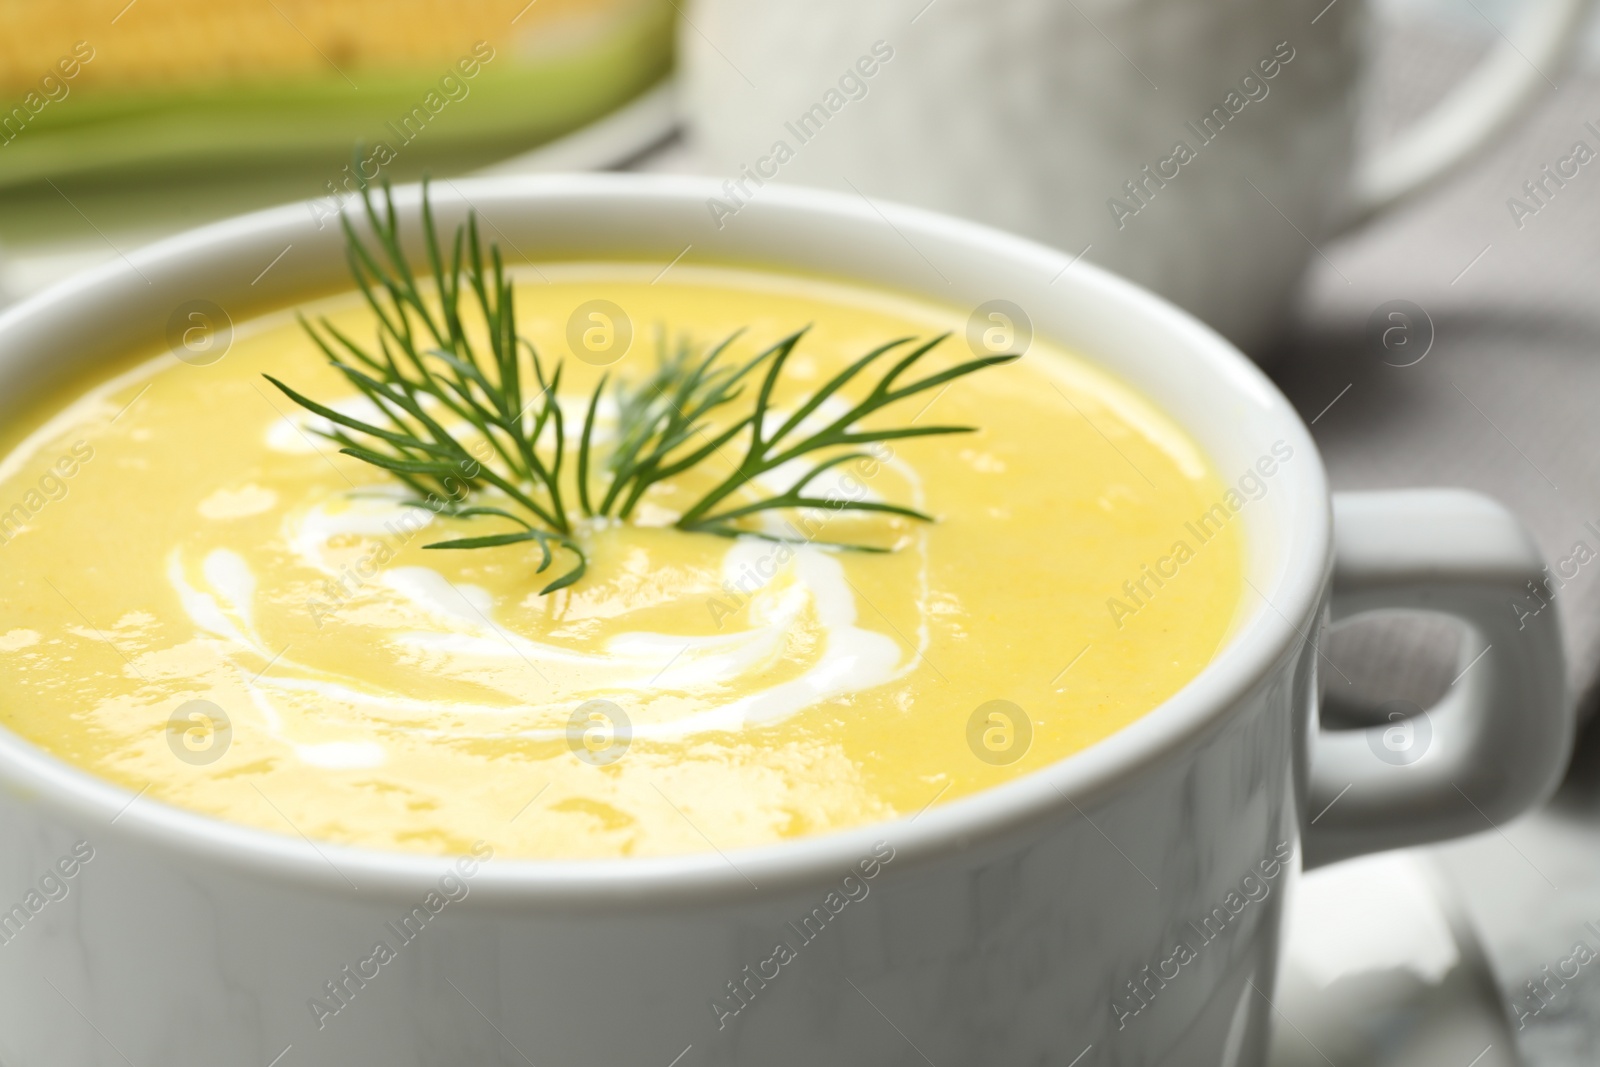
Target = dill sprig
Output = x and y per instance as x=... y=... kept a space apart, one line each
x=480 y=433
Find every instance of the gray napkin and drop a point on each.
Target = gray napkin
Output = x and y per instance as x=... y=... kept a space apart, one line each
x=1505 y=400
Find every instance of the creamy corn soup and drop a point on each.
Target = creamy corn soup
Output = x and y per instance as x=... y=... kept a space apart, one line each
x=203 y=602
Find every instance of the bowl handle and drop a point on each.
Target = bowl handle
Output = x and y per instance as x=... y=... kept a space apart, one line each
x=1495 y=744
x=1508 y=81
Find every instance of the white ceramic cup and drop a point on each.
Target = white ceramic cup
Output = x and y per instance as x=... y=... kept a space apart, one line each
x=1020 y=925
x=1041 y=116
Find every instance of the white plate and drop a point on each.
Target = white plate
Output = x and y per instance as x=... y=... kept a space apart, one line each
x=609 y=143
x=1382 y=968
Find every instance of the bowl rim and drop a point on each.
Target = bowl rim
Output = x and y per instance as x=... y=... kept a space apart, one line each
x=1062 y=789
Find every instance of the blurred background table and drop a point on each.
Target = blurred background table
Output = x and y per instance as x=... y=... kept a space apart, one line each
x=1504 y=402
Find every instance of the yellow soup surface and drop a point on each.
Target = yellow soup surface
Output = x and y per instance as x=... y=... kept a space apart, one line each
x=203 y=602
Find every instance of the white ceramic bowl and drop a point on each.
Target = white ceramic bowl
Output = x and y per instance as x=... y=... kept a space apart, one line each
x=1022 y=925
